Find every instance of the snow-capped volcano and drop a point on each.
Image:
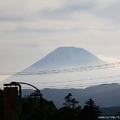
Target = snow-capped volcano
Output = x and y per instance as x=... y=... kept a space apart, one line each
x=62 y=59
x=65 y=57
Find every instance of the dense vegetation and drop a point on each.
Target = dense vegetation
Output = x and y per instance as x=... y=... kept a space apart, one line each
x=34 y=108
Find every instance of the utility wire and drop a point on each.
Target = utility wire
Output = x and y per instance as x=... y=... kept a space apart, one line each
x=80 y=80
x=71 y=84
x=80 y=69
x=79 y=83
x=67 y=70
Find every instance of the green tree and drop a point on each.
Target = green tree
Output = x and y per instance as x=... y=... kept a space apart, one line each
x=69 y=111
x=31 y=109
x=73 y=103
x=90 y=111
x=69 y=101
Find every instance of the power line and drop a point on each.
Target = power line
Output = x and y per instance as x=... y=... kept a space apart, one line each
x=80 y=80
x=67 y=70
x=79 y=69
x=67 y=83
x=79 y=85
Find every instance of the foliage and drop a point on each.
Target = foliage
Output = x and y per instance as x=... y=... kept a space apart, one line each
x=69 y=101
x=32 y=109
x=91 y=111
x=36 y=108
x=69 y=111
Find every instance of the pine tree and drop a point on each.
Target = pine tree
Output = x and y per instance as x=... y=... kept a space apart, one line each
x=91 y=111
x=69 y=101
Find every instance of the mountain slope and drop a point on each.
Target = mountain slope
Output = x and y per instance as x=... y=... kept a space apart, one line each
x=65 y=57
x=103 y=95
x=59 y=59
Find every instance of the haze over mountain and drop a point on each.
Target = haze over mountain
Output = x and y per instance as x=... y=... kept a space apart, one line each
x=60 y=60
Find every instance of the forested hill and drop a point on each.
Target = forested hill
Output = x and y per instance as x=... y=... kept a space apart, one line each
x=104 y=95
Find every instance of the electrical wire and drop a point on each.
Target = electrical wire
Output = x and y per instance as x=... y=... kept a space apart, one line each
x=67 y=70
x=70 y=83
x=80 y=80
x=67 y=83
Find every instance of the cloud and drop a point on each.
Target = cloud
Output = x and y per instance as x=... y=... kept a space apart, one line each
x=54 y=16
x=109 y=59
x=23 y=10
x=66 y=9
x=108 y=10
x=16 y=10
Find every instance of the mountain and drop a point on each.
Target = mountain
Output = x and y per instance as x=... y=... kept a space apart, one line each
x=53 y=75
x=59 y=59
x=65 y=57
x=104 y=95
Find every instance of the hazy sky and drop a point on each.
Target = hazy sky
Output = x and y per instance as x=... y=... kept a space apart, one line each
x=30 y=29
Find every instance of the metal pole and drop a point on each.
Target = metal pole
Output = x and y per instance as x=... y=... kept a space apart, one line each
x=18 y=83
x=20 y=96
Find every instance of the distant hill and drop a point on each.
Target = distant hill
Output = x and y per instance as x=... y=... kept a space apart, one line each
x=110 y=111
x=108 y=106
x=104 y=95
